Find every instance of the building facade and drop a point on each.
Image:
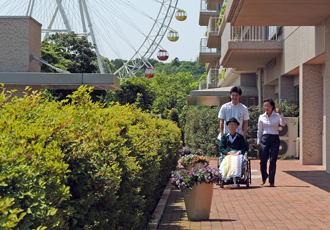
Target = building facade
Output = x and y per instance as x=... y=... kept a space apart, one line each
x=282 y=48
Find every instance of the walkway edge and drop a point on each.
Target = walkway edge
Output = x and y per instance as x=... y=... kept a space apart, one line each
x=158 y=213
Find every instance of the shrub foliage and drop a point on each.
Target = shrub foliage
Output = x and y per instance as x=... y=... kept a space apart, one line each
x=202 y=129
x=79 y=165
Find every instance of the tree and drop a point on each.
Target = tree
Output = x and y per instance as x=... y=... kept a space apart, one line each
x=108 y=66
x=175 y=62
x=172 y=91
x=77 y=50
x=74 y=54
x=53 y=54
x=134 y=90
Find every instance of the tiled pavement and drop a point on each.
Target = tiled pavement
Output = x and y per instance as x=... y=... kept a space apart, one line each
x=300 y=200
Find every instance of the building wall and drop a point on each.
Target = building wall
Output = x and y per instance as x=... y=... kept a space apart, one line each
x=34 y=44
x=301 y=45
x=248 y=79
x=19 y=37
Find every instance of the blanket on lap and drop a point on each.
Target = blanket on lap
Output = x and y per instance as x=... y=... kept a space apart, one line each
x=232 y=166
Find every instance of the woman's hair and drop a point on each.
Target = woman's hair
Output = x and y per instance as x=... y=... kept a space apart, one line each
x=271 y=101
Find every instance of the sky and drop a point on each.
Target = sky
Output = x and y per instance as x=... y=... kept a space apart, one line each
x=109 y=23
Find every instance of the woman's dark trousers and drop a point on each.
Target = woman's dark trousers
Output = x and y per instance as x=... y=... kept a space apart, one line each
x=269 y=144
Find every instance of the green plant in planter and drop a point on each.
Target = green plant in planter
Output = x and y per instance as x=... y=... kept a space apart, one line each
x=188 y=151
x=187 y=179
x=194 y=159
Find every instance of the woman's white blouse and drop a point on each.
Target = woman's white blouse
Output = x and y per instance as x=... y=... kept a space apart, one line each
x=269 y=125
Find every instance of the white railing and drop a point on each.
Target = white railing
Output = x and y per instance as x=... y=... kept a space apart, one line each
x=204 y=49
x=213 y=27
x=212 y=75
x=252 y=33
x=202 y=85
x=203 y=7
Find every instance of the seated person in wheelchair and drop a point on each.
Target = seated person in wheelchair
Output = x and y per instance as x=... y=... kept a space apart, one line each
x=232 y=148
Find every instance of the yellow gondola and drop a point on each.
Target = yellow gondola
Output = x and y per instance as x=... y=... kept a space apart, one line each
x=173 y=36
x=181 y=15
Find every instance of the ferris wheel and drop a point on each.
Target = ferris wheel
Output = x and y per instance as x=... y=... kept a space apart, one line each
x=108 y=23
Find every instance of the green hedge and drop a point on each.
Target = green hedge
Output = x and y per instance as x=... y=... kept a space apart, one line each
x=202 y=129
x=79 y=165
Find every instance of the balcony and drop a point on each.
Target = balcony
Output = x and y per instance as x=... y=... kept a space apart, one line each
x=208 y=55
x=213 y=39
x=212 y=78
x=278 y=12
x=213 y=4
x=205 y=13
x=247 y=48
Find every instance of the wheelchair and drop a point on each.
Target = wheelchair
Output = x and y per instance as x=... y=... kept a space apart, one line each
x=245 y=177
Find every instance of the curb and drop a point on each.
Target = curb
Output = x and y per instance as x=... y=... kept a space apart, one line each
x=158 y=213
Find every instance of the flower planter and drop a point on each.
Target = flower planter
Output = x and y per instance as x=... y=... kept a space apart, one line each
x=196 y=166
x=198 y=201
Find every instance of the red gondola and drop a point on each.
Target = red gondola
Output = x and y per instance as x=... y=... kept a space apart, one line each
x=162 y=55
x=150 y=72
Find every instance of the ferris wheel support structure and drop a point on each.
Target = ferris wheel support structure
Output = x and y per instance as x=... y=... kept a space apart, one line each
x=83 y=11
x=141 y=55
x=152 y=41
x=90 y=26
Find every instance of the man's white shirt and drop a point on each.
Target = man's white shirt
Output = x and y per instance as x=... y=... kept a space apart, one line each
x=239 y=111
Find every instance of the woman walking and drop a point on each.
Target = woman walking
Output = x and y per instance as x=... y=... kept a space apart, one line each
x=268 y=139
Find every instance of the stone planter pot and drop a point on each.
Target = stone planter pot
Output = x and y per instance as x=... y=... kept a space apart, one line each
x=198 y=201
x=198 y=165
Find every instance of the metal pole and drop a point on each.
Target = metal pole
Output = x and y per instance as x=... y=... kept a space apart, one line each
x=90 y=26
x=65 y=19
x=30 y=8
x=82 y=17
x=51 y=22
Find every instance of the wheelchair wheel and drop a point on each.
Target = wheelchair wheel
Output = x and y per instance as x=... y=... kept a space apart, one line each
x=221 y=184
x=248 y=175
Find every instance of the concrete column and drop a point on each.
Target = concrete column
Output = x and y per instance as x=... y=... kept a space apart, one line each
x=326 y=96
x=310 y=114
x=286 y=88
x=259 y=87
x=325 y=105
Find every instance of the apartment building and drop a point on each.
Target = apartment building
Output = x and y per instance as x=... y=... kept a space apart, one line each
x=272 y=48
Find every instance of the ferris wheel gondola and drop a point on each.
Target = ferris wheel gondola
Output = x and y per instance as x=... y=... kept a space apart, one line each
x=150 y=72
x=162 y=55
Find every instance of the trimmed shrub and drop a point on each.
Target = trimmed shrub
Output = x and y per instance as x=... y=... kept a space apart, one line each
x=9 y=217
x=79 y=165
x=33 y=173
x=174 y=116
x=201 y=130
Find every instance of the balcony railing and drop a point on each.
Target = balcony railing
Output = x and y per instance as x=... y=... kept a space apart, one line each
x=202 y=85
x=252 y=33
x=212 y=75
x=204 y=49
x=203 y=7
x=213 y=27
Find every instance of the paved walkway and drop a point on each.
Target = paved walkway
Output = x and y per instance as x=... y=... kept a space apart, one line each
x=300 y=200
